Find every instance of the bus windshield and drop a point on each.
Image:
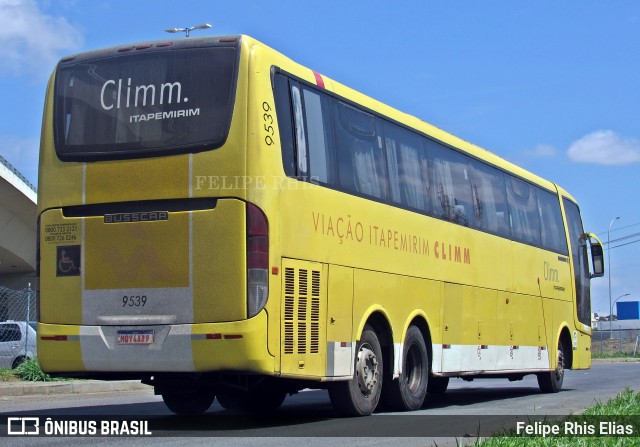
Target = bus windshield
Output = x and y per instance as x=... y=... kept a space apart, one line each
x=135 y=104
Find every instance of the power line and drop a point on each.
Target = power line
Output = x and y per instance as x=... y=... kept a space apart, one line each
x=623 y=238
x=617 y=229
x=622 y=245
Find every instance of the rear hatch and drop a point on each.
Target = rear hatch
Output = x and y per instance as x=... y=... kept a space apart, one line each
x=126 y=236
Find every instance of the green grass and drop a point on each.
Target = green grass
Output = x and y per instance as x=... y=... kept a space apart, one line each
x=28 y=371
x=7 y=375
x=617 y=409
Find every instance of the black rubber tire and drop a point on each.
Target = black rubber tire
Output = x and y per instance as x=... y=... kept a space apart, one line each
x=232 y=398
x=551 y=381
x=266 y=399
x=263 y=399
x=437 y=385
x=18 y=361
x=407 y=393
x=190 y=403
x=360 y=395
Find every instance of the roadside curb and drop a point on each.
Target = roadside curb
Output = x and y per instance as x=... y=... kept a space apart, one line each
x=71 y=387
x=617 y=360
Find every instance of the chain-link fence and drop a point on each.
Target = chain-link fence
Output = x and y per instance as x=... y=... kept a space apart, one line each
x=617 y=341
x=18 y=318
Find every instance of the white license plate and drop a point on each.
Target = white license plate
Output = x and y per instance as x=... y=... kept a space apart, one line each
x=135 y=337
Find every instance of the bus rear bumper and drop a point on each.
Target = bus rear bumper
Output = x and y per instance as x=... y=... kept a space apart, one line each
x=207 y=347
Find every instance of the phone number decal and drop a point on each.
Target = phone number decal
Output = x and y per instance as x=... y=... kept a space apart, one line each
x=60 y=233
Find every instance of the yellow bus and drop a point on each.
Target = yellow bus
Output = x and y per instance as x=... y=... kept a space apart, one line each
x=219 y=221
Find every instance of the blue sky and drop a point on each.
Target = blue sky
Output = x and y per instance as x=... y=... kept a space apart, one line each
x=552 y=86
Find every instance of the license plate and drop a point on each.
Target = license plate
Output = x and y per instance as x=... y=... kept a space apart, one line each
x=135 y=337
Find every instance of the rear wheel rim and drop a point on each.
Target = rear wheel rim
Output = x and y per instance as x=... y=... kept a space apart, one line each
x=367 y=370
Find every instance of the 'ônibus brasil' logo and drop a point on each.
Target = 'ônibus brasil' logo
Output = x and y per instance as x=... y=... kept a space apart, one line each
x=121 y=95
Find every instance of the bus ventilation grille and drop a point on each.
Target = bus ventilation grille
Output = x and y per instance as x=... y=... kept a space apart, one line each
x=301 y=311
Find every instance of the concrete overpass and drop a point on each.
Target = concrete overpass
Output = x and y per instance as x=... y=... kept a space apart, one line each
x=18 y=228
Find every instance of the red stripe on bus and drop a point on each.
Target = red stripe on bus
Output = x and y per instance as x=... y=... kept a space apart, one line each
x=54 y=338
x=232 y=336
x=319 y=79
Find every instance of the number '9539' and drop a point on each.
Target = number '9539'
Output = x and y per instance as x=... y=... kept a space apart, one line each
x=134 y=300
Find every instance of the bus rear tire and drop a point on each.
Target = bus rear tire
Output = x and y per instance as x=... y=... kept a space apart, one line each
x=360 y=395
x=551 y=381
x=258 y=400
x=189 y=403
x=408 y=392
x=437 y=385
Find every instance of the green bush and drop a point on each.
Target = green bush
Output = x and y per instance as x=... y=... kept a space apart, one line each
x=30 y=370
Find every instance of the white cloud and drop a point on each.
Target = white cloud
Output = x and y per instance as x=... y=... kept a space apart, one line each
x=605 y=147
x=32 y=41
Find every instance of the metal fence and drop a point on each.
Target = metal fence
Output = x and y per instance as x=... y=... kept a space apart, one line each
x=18 y=305
x=18 y=317
x=617 y=341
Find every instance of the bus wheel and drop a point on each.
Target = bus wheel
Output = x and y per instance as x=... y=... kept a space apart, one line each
x=551 y=381
x=408 y=392
x=360 y=395
x=437 y=385
x=192 y=402
x=258 y=400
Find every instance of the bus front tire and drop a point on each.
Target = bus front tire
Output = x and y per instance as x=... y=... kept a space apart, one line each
x=190 y=403
x=551 y=381
x=407 y=393
x=360 y=395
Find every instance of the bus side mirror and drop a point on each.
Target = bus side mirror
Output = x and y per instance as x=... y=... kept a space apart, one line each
x=597 y=260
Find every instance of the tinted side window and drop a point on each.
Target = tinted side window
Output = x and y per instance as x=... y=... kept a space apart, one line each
x=553 y=237
x=580 y=262
x=10 y=332
x=408 y=167
x=490 y=211
x=450 y=188
x=361 y=160
x=523 y=211
x=318 y=137
x=283 y=111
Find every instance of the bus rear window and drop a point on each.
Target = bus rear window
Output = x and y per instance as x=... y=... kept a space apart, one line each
x=144 y=104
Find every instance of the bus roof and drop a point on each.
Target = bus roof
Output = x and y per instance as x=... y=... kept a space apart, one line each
x=337 y=88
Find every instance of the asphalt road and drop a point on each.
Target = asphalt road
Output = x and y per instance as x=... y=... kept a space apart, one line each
x=307 y=417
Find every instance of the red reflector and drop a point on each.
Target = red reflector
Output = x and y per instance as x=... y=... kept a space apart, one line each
x=164 y=44
x=319 y=79
x=275 y=270
x=232 y=336
x=257 y=238
x=143 y=47
x=257 y=260
x=343 y=344
x=214 y=336
x=228 y=39
x=54 y=338
x=120 y=50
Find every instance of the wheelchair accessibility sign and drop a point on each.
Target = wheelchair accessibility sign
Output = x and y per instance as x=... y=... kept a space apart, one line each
x=68 y=260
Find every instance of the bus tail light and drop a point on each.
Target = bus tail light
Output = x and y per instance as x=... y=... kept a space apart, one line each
x=257 y=260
